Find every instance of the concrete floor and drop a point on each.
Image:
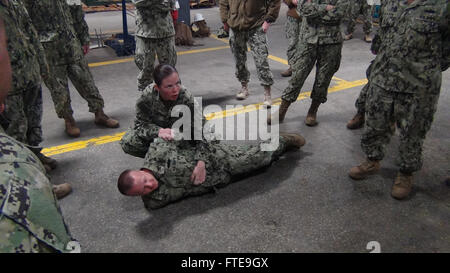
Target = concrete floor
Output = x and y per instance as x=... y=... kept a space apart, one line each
x=304 y=203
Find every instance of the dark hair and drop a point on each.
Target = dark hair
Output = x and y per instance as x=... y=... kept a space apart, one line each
x=125 y=182
x=161 y=72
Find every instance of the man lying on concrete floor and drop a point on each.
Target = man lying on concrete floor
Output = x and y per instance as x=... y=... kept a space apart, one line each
x=177 y=169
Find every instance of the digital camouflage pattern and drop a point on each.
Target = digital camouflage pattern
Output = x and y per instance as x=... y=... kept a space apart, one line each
x=413 y=115
x=257 y=40
x=415 y=46
x=23 y=106
x=172 y=163
x=79 y=24
x=30 y=217
x=360 y=7
x=146 y=51
x=53 y=21
x=23 y=113
x=405 y=77
x=152 y=114
x=153 y=19
x=155 y=36
x=292 y=30
x=360 y=102
x=320 y=44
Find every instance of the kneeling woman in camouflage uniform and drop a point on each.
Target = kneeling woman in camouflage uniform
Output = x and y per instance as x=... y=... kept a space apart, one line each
x=153 y=111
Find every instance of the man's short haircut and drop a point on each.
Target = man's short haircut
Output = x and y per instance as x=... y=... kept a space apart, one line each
x=125 y=182
x=161 y=72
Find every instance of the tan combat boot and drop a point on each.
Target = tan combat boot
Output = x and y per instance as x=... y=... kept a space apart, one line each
x=243 y=93
x=365 y=169
x=62 y=190
x=71 y=127
x=348 y=36
x=293 y=140
x=402 y=186
x=356 y=122
x=367 y=38
x=281 y=113
x=103 y=120
x=287 y=73
x=267 y=96
x=312 y=114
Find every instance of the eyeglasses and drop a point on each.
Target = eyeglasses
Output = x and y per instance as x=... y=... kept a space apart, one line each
x=172 y=86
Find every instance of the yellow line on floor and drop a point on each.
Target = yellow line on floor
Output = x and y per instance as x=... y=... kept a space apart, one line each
x=179 y=53
x=74 y=146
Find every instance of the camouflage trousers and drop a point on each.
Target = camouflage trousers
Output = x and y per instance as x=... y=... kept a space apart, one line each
x=133 y=145
x=231 y=161
x=23 y=115
x=413 y=114
x=77 y=70
x=146 y=51
x=257 y=40
x=360 y=103
x=327 y=59
x=292 y=29
x=357 y=8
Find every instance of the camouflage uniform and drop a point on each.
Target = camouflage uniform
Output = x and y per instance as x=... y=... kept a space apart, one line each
x=54 y=23
x=292 y=29
x=321 y=44
x=23 y=112
x=155 y=35
x=172 y=163
x=152 y=114
x=30 y=217
x=360 y=102
x=360 y=7
x=246 y=27
x=405 y=78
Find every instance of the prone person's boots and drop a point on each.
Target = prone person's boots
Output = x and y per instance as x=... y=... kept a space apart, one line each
x=356 y=122
x=243 y=93
x=62 y=190
x=281 y=112
x=102 y=119
x=293 y=140
x=402 y=186
x=365 y=169
x=312 y=113
x=71 y=127
x=267 y=96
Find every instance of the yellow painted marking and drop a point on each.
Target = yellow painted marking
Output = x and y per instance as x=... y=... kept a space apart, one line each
x=74 y=146
x=126 y=60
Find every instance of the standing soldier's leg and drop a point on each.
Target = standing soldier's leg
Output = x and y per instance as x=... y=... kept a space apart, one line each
x=16 y=124
x=377 y=132
x=328 y=62
x=307 y=55
x=145 y=60
x=83 y=81
x=354 y=12
x=367 y=13
x=238 y=45
x=258 y=45
x=33 y=111
x=292 y=28
x=416 y=113
x=358 y=120
x=165 y=50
